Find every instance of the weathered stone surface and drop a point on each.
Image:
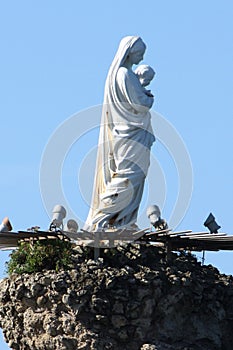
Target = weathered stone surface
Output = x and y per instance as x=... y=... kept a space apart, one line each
x=131 y=299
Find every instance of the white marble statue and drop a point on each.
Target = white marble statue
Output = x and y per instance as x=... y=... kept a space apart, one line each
x=125 y=139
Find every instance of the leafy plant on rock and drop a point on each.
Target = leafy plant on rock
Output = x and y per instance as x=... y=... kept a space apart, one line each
x=35 y=256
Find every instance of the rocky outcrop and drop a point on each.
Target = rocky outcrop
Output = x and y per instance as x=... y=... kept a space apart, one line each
x=131 y=298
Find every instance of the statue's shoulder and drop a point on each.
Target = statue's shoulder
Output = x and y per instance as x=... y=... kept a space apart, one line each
x=124 y=73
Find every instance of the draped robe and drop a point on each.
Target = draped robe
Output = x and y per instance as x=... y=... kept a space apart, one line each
x=123 y=155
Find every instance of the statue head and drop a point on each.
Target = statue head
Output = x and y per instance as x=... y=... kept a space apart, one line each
x=131 y=48
x=137 y=51
x=145 y=74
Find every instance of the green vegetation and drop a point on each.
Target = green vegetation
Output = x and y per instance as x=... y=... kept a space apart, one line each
x=40 y=255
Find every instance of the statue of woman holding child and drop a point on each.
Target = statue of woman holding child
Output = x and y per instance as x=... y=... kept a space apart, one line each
x=125 y=140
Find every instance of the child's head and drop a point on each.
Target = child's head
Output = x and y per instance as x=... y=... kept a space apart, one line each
x=145 y=74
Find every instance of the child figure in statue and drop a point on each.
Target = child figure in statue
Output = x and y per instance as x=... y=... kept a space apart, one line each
x=145 y=74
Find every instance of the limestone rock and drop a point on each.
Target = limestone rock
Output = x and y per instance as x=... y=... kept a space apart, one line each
x=131 y=299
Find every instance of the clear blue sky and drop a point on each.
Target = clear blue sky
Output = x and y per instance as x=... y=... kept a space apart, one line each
x=54 y=59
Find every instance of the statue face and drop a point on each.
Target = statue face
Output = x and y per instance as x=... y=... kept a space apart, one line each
x=137 y=52
x=137 y=56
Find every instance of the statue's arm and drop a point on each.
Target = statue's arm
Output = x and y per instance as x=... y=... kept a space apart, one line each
x=133 y=91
